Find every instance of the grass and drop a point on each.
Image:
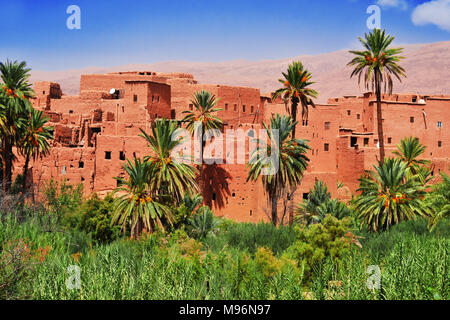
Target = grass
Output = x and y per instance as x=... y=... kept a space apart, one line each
x=414 y=265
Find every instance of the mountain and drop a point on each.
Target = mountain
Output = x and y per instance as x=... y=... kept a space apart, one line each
x=427 y=67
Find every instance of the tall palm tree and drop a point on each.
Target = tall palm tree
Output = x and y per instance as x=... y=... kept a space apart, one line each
x=389 y=195
x=15 y=90
x=408 y=151
x=378 y=63
x=296 y=90
x=202 y=119
x=137 y=203
x=34 y=142
x=171 y=177
x=285 y=164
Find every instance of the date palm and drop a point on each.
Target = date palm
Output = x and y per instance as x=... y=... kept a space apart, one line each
x=15 y=90
x=171 y=177
x=202 y=119
x=296 y=90
x=389 y=195
x=378 y=65
x=137 y=203
x=34 y=141
x=409 y=150
x=280 y=161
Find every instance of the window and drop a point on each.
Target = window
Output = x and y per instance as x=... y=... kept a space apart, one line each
x=81 y=164
x=233 y=195
x=159 y=98
x=353 y=141
x=252 y=109
x=191 y=107
x=251 y=213
x=358 y=116
x=411 y=119
x=366 y=142
x=305 y=196
x=327 y=125
x=305 y=123
x=70 y=111
x=214 y=196
x=235 y=107
x=226 y=106
x=349 y=112
x=389 y=140
x=439 y=124
x=243 y=108
x=439 y=144
x=108 y=155
x=326 y=147
x=414 y=99
x=135 y=98
x=153 y=98
x=43 y=92
x=122 y=155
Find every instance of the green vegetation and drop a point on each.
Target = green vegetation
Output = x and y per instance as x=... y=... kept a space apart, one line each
x=238 y=261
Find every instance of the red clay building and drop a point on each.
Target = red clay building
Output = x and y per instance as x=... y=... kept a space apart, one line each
x=98 y=129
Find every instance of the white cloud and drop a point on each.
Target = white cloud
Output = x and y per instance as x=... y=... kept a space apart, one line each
x=435 y=12
x=393 y=3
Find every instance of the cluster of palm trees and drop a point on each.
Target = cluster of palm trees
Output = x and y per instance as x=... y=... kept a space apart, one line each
x=21 y=126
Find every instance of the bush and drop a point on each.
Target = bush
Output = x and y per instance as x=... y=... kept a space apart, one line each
x=332 y=238
x=94 y=217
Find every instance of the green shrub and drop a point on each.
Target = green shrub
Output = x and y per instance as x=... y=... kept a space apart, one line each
x=331 y=238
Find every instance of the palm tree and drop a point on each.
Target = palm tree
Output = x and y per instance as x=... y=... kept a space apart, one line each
x=389 y=195
x=203 y=223
x=285 y=165
x=439 y=201
x=171 y=177
x=296 y=82
x=408 y=151
x=378 y=63
x=14 y=105
x=137 y=203
x=34 y=142
x=202 y=119
x=319 y=204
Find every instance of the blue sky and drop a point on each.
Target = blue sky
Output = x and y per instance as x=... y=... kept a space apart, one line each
x=146 y=31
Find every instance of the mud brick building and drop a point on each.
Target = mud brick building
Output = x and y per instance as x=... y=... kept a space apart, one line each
x=96 y=131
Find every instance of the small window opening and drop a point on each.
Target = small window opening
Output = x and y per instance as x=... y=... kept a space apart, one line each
x=252 y=109
x=108 y=155
x=214 y=196
x=414 y=99
x=326 y=147
x=349 y=112
x=366 y=142
x=305 y=196
x=358 y=116
x=81 y=164
x=135 y=98
x=226 y=106
x=439 y=124
x=191 y=107
x=235 y=107
x=411 y=119
x=353 y=141
x=122 y=155
x=243 y=108
x=389 y=140
x=327 y=125
x=439 y=144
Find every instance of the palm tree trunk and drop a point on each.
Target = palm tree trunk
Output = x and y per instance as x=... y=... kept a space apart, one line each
x=274 y=200
x=379 y=114
x=25 y=174
x=294 y=116
x=7 y=165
